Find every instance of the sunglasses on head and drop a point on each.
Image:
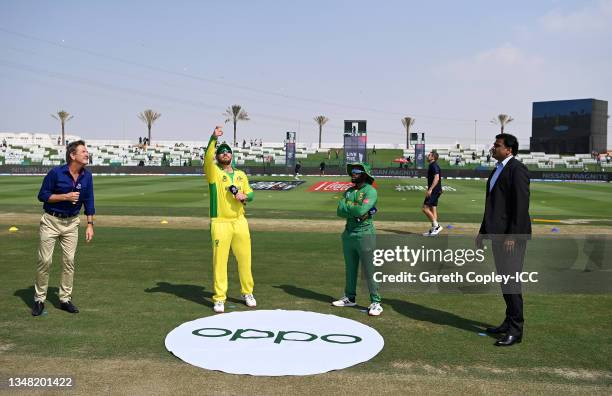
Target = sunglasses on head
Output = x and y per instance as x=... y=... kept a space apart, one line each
x=224 y=151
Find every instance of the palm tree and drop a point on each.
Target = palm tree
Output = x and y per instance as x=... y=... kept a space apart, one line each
x=502 y=120
x=407 y=122
x=321 y=120
x=149 y=117
x=63 y=117
x=235 y=113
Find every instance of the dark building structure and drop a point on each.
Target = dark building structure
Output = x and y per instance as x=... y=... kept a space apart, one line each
x=570 y=126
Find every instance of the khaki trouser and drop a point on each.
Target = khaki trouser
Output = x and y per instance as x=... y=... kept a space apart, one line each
x=67 y=231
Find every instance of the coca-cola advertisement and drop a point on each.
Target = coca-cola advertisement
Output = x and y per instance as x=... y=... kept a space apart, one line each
x=331 y=186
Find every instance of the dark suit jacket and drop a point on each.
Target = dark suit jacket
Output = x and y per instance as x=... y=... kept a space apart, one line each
x=507 y=205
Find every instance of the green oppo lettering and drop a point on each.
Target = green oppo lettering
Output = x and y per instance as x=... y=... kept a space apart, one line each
x=282 y=336
x=239 y=334
x=198 y=332
x=328 y=338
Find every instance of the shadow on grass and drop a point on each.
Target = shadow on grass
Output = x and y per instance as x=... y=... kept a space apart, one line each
x=435 y=316
x=408 y=309
x=310 y=295
x=398 y=232
x=193 y=293
x=27 y=296
x=305 y=293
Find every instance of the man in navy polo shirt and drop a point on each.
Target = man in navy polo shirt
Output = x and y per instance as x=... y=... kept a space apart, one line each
x=64 y=190
x=434 y=190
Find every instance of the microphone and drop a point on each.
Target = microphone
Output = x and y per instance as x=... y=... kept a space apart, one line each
x=78 y=188
x=234 y=190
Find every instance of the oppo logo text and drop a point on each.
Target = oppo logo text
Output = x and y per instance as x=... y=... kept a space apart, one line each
x=281 y=336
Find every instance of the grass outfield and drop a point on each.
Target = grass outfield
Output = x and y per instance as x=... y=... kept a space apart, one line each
x=134 y=285
x=187 y=196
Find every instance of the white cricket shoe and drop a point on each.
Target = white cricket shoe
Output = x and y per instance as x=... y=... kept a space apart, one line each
x=436 y=230
x=219 y=307
x=249 y=300
x=344 y=302
x=428 y=233
x=375 y=309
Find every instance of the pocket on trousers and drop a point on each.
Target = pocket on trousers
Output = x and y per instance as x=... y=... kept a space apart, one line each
x=44 y=221
x=74 y=227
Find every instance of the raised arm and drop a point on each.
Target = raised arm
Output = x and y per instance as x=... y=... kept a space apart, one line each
x=210 y=168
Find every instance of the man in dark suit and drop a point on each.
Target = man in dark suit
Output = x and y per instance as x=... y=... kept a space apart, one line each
x=506 y=222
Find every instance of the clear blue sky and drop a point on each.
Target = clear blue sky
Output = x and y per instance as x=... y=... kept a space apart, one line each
x=445 y=63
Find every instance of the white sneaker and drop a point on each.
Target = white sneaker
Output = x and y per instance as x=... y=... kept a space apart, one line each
x=375 y=309
x=428 y=233
x=344 y=302
x=249 y=300
x=219 y=307
x=436 y=230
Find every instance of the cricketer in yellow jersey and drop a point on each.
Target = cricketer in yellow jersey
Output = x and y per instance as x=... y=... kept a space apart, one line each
x=229 y=192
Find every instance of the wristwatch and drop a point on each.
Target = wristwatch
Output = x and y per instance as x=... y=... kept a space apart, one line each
x=90 y=222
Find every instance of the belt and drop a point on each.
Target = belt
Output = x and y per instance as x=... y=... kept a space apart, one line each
x=60 y=215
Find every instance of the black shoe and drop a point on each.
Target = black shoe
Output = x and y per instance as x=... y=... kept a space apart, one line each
x=68 y=306
x=497 y=330
x=38 y=308
x=508 y=340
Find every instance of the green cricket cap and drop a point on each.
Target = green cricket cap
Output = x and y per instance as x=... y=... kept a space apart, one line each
x=224 y=148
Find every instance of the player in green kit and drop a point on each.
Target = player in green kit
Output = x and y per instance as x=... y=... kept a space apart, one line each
x=357 y=206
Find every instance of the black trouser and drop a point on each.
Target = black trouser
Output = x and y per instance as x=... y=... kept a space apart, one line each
x=509 y=264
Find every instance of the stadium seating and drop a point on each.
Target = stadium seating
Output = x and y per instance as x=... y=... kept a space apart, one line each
x=42 y=149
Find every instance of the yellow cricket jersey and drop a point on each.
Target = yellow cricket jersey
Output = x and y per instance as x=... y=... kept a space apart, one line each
x=223 y=205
